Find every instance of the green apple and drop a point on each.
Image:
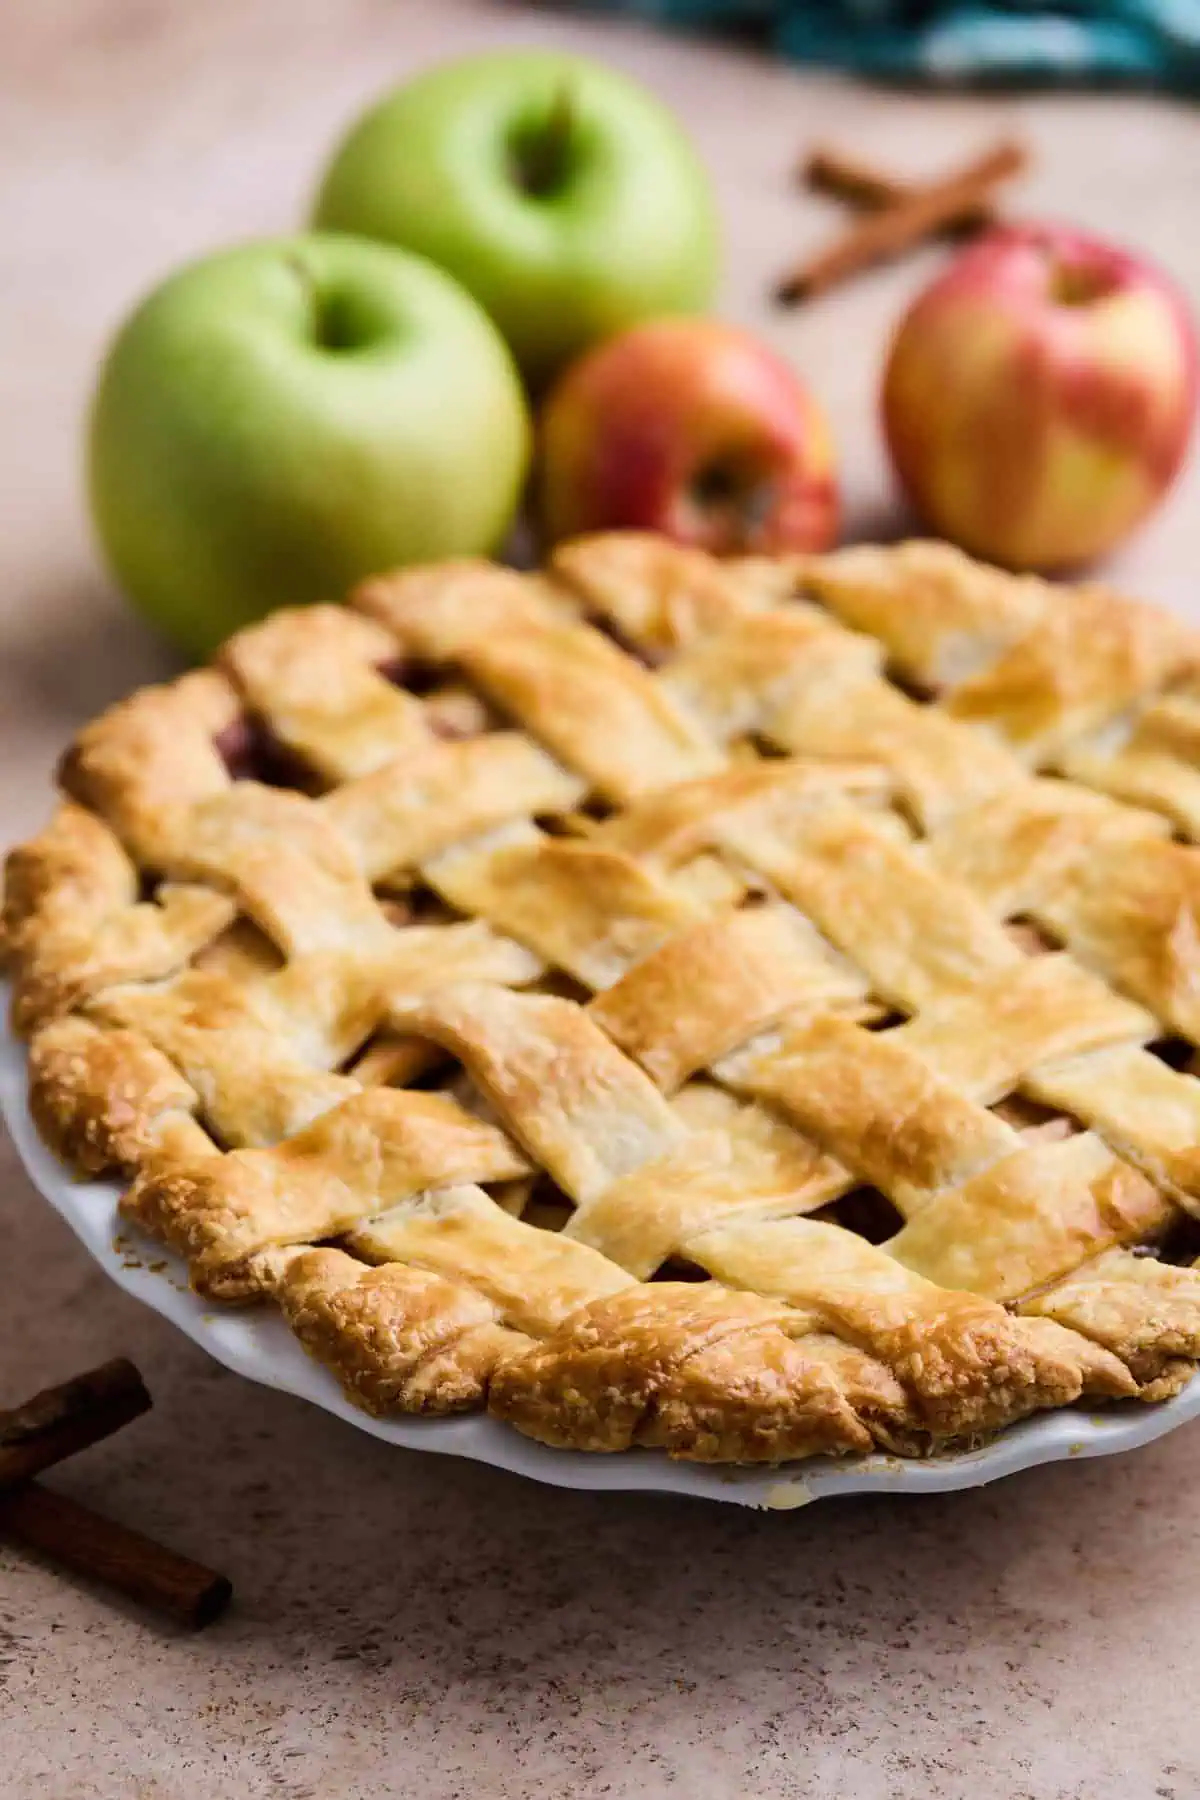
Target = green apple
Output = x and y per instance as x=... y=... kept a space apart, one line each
x=562 y=194
x=281 y=419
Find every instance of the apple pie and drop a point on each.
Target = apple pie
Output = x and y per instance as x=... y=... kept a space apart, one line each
x=744 y=1009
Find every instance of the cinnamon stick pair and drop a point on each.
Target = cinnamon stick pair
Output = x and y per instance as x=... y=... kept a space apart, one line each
x=56 y=1424
x=843 y=176
x=900 y=216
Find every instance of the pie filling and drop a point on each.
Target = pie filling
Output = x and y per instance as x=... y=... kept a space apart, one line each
x=745 y=1008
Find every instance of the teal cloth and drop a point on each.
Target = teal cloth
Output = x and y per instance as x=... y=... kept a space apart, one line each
x=1147 y=42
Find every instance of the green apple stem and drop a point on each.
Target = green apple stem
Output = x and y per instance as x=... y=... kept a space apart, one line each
x=311 y=295
x=540 y=152
x=328 y=326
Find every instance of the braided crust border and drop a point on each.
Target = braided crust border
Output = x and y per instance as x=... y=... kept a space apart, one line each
x=702 y=1371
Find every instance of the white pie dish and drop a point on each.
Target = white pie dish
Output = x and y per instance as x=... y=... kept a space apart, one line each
x=257 y=1344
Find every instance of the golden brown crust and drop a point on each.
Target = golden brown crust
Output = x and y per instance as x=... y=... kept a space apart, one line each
x=1090 y=657
x=152 y=756
x=536 y=1278
x=74 y=867
x=370 y=1153
x=107 y=1099
x=966 y=1366
x=61 y=971
x=594 y=707
x=313 y=672
x=74 y=924
x=942 y=616
x=706 y=1374
x=398 y=1339
x=217 y=990
x=1144 y=1312
x=973 y=1369
x=656 y=596
x=707 y=990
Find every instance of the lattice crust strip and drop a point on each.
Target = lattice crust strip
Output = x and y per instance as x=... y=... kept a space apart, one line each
x=709 y=905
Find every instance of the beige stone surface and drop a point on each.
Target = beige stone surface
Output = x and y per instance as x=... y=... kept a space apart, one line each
x=407 y=1624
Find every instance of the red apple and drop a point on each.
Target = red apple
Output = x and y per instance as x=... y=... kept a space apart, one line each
x=691 y=428
x=1039 y=396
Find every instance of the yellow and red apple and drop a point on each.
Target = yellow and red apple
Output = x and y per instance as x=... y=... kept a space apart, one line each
x=691 y=428
x=1039 y=396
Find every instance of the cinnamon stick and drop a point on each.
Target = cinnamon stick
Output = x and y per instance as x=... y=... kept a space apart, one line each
x=830 y=171
x=99 y=1548
x=866 y=184
x=61 y=1420
x=888 y=233
x=55 y=1424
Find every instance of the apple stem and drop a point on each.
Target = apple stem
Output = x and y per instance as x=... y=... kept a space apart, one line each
x=308 y=287
x=540 y=155
x=323 y=320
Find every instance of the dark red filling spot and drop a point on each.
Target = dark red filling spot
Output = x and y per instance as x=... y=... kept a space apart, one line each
x=251 y=752
x=1177 y=1053
x=867 y=1212
x=414 y=676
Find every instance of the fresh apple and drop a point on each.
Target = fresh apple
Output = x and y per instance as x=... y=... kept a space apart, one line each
x=561 y=194
x=691 y=428
x=1039 y=396
x=281 y=419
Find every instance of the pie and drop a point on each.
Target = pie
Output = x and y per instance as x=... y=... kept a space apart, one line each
x=738 y=1008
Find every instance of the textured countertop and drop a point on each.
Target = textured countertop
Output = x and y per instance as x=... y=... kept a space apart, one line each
x=410 y=1624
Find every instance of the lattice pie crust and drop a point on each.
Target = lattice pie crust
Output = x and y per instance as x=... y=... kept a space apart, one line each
x=737 y=1008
